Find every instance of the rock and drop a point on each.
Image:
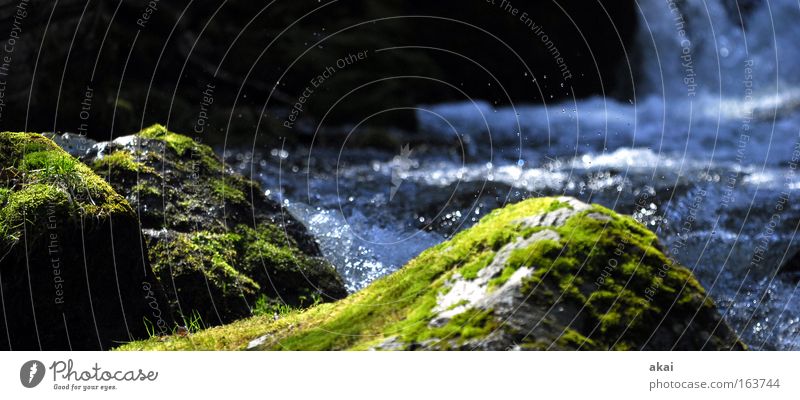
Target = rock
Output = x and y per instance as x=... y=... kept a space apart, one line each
x=545 y=273
x=72 y=272
x=76 y=145
x=217 y=244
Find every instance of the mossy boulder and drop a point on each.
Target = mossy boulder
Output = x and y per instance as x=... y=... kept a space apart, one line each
x=217 y=244
x=545 y=273
x=72 y=269
x=548 y=273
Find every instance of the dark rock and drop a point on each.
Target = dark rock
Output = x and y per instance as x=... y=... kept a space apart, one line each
x=217 y=244
x=72 y=269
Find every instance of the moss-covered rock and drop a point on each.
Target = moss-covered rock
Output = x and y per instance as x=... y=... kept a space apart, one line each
x=71 y=265
x=215 y=241
x=548 y=273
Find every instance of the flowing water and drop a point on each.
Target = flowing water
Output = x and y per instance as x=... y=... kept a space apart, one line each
x=704 y=155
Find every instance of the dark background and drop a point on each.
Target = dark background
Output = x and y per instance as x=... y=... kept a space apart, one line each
x=157 y=74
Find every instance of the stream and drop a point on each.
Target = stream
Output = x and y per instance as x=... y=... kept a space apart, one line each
x=705 y=156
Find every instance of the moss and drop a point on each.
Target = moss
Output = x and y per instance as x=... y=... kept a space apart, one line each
x=51 y=162
x=556 y=205
x=173 y=167
x=572 y=339
x=43 y=178
x=618 y=312
x=399 y=304
x=184 y=146
x=211 y=254
x=31 y=204
x=198 y=271
x=179 y=143
x=144 y=189
x=618 y=304
x=14 y=145
x=471 y=269
x=234 y=268
x=120 y=162
x=473 y=323
x=226 y=192
x=4 y=193
x=529 y=256
x=217 y=260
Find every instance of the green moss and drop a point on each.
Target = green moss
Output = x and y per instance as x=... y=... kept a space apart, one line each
x=52 y=162
x=473 y=323
x=183 y=146
x=211 y=254
x=4 y=193
x=555 y=205
x=192 y=152
x=616 y=312
x=471 y=269
x=120 y=162
x=399 y=304
x=572 y=339
x=267 y=243
x=144 y=189
x=179 y=143
x=527 y=257
x=226 y=192
x=31 y=204
x=237 y=267
x=42 y=178
x=14 y=145
x=623 y=253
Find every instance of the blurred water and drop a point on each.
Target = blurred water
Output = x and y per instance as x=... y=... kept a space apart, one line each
x=709 y=168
